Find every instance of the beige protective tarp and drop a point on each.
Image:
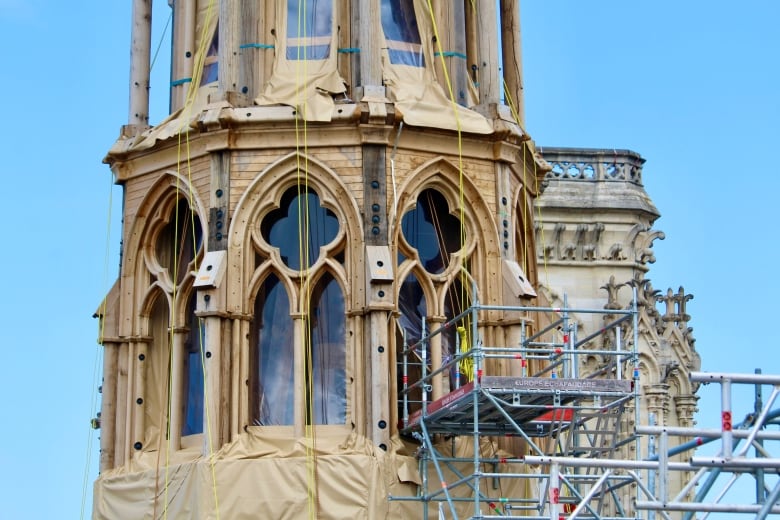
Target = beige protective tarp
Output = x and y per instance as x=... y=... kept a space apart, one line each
x=266 y=477
x=417 y=95
x=261 y=477
x=181 y=120
x=310 y=85
x=306 y=84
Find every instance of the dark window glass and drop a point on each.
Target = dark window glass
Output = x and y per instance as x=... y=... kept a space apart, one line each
x=326 y=374
x=192 y=387
x=411 y=304
x=412 y=308
x=179 y=240
x=402 y=35
x=432 y=231
x=309 y=29
x=274 y=377
x=299 y=228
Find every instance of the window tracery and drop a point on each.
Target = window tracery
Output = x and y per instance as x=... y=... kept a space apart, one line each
x=177 y=243
x=299 y=328
x=433 y=289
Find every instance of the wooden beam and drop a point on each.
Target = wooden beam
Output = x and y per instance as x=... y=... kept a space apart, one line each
x=369 y=43
x=250 y=56
x=512 y=55
x=487 y=29
x=140 y=56
x=375 y=194
x=229 y=30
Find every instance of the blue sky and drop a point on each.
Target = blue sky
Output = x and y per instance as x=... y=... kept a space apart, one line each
x=692 y=86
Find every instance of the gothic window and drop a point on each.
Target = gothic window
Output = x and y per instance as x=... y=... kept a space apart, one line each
x=313 y=357
x=309 y=29
x=299 y=228
x=171 y=263
x=433 y=235
x=178 y=242
x=402 y=35
x=432 y=231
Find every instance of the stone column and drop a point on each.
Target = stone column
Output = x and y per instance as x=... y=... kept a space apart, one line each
x=686 y=408
x=657 y=400
x=176 y=397
x=435 y=346
x=299 y=362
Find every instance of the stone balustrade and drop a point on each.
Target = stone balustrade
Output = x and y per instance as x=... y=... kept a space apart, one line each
x=593 y=164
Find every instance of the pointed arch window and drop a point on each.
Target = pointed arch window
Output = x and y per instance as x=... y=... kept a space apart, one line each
x=307 y=353
x=274 y=356
x=432 y=235
x=155 y=391
x=326 y=364
x=174 y=355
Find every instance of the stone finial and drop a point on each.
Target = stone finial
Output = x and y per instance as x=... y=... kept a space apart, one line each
x=612 y=289
x=675 y=307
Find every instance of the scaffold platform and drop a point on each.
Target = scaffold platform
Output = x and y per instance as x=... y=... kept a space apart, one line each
x=508 y=405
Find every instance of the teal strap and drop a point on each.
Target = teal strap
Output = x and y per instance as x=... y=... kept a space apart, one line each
x=181 y=82
x=450 y=54
x=349 y=50
x=256 y=46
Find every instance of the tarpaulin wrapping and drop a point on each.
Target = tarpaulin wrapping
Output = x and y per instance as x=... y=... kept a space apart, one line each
x=267 y=476
x=198 y=94
x=412 y=86
x=304 y=73
x=261 y=477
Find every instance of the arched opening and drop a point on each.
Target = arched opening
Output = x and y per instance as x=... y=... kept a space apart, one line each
x=273 y=366
x=326 y=359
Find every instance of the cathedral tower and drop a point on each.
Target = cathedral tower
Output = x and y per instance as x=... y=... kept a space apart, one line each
x=335 y=179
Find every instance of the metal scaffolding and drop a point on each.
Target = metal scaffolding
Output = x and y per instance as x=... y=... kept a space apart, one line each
x=579 y=458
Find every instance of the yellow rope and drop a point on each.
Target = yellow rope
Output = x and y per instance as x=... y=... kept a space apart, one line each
x=465 y=365
x=101 y=336
x=526 y=147
x=194 y=85
x=461 y=189
x=304 y=304
x=206 y=403
x=516 y=117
